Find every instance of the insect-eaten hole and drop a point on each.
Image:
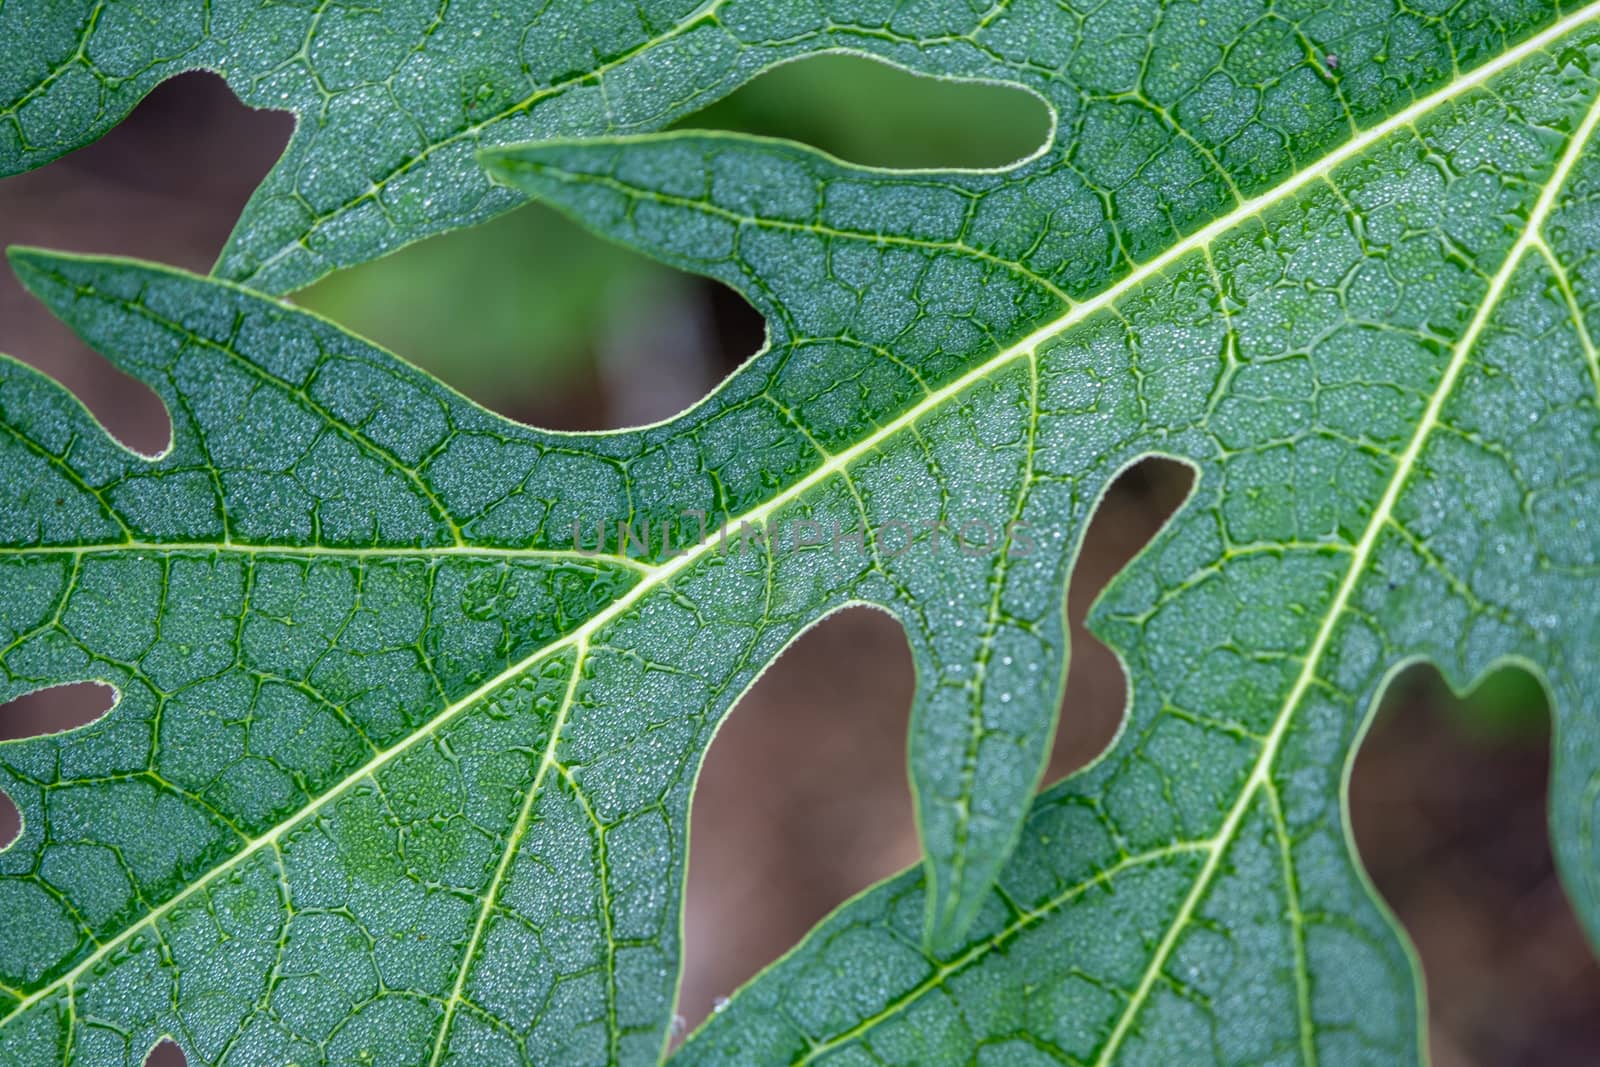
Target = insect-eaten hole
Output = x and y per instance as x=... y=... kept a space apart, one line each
x=166 y=1054
x=137 y=191
x=914 y=121
x=802 y=801
x=1448 y=806
x=1133 y=508
x=542 y=321
x=57 y=708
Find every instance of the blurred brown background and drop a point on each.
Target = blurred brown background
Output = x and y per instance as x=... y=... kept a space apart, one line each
x=804 y=799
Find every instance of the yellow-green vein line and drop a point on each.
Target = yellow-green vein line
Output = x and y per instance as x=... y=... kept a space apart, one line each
x=1379 y=520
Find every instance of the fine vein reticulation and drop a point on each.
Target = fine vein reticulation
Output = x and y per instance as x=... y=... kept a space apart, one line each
x=393 y=103
x=399 y=772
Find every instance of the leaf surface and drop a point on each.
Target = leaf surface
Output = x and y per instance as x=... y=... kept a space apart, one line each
x=397 y=774
x=1393 y=416
x=393 y=100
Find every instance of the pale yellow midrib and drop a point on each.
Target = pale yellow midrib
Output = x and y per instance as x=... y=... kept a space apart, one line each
x=1260 y=775
x=839 y=461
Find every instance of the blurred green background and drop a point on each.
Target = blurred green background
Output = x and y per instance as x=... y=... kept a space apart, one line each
x=804 y=798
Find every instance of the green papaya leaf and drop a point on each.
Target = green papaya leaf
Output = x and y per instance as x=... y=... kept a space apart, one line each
x=399 y=768
x=393 y=100
x=1385 y=375
x=385 y=714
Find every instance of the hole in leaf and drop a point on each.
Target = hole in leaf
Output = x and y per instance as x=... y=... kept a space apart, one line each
x=10 y=821
x=52 y=710
x=540 y=320
x=802 y=801
x=912 y=121
x=166 y=1054
x=1448 y=803
x=544 y=322
x=166 y=184
x=1135 y=506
